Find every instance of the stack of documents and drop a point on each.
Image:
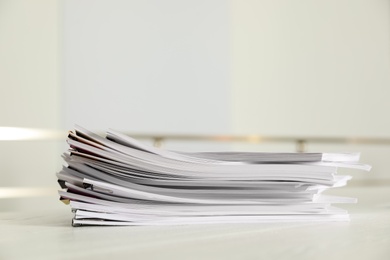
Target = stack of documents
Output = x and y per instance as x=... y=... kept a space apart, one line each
x=119 y=181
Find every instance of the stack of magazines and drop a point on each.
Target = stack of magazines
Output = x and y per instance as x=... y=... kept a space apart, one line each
x=118 y=180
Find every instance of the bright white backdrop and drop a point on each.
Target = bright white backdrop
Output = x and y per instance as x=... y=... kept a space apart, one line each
x=146 y=66
x=206 y=67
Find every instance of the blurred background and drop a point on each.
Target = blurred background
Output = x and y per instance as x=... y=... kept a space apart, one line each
x=285 y=69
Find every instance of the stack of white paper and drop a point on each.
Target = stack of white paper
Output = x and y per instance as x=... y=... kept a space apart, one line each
x=119 y=181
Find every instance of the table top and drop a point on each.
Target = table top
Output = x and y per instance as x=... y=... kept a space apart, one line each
x=46 y=233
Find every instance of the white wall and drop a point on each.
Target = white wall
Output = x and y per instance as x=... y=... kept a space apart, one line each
x=313 y=68
x=146 y=66
x=28 y=63
x=29 y=89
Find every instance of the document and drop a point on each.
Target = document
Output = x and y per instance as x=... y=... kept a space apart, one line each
x=117 y=180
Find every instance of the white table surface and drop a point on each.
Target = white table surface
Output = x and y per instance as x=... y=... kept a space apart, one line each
x=46 y=233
